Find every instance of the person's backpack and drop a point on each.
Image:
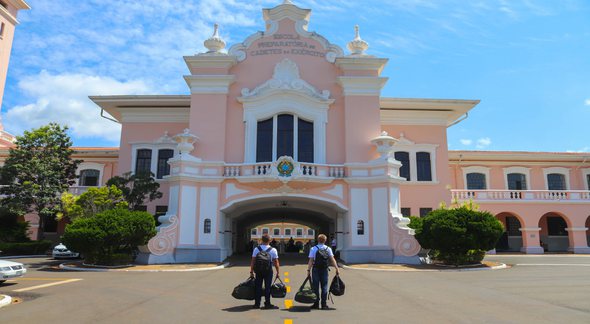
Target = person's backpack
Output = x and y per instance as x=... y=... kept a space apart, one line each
x=306 y=295
x=322 y=258
x=246 y=290
x=263 y=261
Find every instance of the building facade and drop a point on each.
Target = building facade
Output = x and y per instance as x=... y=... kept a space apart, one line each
x=287 y=127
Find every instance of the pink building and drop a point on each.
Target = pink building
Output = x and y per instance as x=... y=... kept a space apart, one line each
x=287 y=127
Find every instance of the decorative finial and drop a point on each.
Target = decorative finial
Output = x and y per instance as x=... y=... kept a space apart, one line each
x=358 y=46
x=215 y=44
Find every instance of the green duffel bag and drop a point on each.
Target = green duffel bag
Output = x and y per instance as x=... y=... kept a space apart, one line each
x=246 y=290
x=306 y=295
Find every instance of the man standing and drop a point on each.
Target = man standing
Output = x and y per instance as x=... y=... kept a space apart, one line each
x=333 y=244
x=320 y=258
x=264 y=257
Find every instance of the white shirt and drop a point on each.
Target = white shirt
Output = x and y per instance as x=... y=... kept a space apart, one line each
x=273 y=252
x=314 y=250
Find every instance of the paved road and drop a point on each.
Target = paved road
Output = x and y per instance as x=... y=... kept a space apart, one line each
x=550 y=289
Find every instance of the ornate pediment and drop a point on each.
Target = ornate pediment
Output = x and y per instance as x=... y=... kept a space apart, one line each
x=286 y=77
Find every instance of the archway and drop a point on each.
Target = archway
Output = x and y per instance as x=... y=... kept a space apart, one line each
x=554 y=235
x=319 y=215
x=588 y=231
x=511 y=240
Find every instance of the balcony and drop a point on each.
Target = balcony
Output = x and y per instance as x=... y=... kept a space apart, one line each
x=262 y=170
x=556 y=196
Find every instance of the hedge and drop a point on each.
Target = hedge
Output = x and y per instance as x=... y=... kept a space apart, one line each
x=27 y=248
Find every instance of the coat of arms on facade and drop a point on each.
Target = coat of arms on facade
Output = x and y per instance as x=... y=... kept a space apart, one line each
x=285 y=166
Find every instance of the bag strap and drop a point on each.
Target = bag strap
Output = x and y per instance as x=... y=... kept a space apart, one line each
x=269 y=249
x=304 y=282
x=279 y=279
x=259 y=248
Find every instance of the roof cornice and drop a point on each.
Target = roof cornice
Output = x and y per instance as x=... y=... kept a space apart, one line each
x=118 y=106
x=411 y=111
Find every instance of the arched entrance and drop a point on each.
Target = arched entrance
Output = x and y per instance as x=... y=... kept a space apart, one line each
x=241 y=216
x=511 y=240
x=588 y=231
x=554 y=235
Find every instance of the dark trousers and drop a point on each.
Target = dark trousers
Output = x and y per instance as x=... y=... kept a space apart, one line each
x=320 y=276
x=267 y=279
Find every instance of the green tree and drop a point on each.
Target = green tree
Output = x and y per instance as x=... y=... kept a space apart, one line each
x=11 y=230
x=110 y=237
x=137 y=188
x=460 y=235
x=37 y=170
x=95 y=200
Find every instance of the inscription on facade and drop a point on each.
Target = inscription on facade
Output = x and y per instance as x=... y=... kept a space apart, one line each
x=284 y=44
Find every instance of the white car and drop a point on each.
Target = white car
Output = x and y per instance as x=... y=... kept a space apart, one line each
x=61 y=251
x=9 y=269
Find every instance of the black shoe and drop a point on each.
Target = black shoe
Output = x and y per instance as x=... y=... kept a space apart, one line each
x=270 y=306
x=256 y=306
x=315 y=306
x=325 y=307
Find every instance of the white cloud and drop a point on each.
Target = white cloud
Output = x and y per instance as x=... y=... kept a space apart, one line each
x=64 y=99
x=582 y=150
x=483 y=143
x=587 y=102
x=466 y=142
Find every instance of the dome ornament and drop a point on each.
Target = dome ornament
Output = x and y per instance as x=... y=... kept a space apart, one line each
x=357 y=46
x=215 y=44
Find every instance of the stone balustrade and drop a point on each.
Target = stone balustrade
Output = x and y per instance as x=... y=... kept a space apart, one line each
x=268 y=169
x=522 y=195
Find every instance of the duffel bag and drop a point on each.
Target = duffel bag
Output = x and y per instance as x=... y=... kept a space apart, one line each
x=246 y=290
x=306 y=295
x=278 y=290
x=337 y=286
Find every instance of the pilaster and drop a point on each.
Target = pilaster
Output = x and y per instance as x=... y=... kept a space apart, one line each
x=531 y=242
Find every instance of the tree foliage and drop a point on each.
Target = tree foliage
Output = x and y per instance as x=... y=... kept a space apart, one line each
x=91 y=202
x=37 y=170
x=137 y=188
x=110 y=237
x=11 y=229
x=459 y=235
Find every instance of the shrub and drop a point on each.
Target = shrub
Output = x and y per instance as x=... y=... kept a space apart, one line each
x=458 y=236
x=110 y=237
x=11 y=230
x=26 y=248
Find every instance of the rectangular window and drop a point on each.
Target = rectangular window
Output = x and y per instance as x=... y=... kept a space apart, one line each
x=588 y=181
x=254 y=231
x=309 y=232
x=264 y=231
x=264 y=141
x=476 y=181
x=556 y=181
x=89 y=178
x=423 y=166
x=160 y=211
x=406 y=212
x=299 y=232
x=404 y=158
x=163 y=166
x=143 y=164
x=517 y=181
x=287 y=232
x=425 y=211
x=2 y=27
x=141 y=208
x=276 y=232
x=285 y=135
x=305 y=141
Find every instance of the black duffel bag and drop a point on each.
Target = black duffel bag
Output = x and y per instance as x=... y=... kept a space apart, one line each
x=306 y=295
x=337 y=286
x=278 y=290
x=246 y=290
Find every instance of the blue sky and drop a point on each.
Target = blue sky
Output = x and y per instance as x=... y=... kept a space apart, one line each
x=528 y=61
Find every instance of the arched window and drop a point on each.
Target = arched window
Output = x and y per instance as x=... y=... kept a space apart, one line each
x=556 y=181
x=89 y=178
x=143 y=163
x=476 y=181
x=360 y=227
x=207 y=226
x=285 y=135
x=404 y=158
x=423 y=166
x=517 y=181
x=513 y=226
x=163 y=166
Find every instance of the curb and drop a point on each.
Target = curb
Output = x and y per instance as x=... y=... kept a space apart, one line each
x=498 y=267
x=5 y=300
x=24 y=256
x=63 y=266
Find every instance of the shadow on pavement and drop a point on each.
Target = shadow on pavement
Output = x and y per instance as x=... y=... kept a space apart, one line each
x=239 y=309
x=285 y=259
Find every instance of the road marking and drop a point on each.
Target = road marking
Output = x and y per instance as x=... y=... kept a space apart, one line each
x=287 y=280
x=288 y=289
x=286 y=274
x=288 y=321
x=555 y=264
x=47 y=285
x=288 y=303
x=40 y=279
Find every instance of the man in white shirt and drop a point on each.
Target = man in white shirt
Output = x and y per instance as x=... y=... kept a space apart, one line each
x=320 y=258
x=264 y=257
